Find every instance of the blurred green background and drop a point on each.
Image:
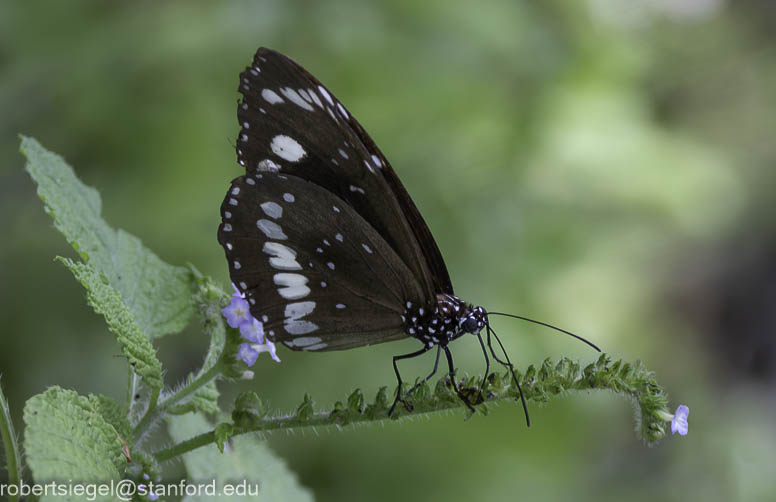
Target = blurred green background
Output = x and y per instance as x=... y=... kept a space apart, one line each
x=604 y=165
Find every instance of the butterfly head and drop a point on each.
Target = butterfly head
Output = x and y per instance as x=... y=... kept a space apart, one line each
x=473 y=321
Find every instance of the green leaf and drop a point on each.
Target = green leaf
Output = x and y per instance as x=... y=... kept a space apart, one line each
x=113 y=413
x=66 y=438
x=106 y=301
x=245 y=458
x=305 y=410
x=158 y=294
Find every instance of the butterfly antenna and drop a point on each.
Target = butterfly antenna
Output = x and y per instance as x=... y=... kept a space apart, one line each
x=509 y=365
x=546 y=325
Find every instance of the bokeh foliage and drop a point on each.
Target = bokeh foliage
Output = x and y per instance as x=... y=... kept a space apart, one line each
x=605 y=165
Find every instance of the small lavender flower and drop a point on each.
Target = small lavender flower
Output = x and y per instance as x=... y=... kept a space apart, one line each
x=267 y=347
x=252 y=331
x=237 y=312
x=679 y=421
x=146 y=490
x=248 y=353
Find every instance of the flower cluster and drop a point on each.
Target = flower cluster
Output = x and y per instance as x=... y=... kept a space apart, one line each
x=238 y=315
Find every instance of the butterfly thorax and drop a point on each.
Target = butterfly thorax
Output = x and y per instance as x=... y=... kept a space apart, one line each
x=443 y=322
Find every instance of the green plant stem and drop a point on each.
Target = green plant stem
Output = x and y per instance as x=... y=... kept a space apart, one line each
x=156 y=412
x=12 y=456
x=538 y=386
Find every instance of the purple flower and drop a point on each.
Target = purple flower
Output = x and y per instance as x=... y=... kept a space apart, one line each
x=237 y=312
x=679 y=421
x=146 y=490
x=268 y=347
x=248 y=354
x=252 y=331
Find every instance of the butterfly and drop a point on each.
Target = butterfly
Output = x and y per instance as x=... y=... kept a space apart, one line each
x=322 y=238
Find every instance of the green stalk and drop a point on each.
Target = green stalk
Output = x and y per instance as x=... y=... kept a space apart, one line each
x=157 y=411
x=538 y=384
x=12 y=456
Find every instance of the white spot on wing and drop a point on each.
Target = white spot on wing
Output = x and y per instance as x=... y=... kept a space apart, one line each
x=377 y=161
x=282 y=257
x=272 y=209
x=289 y=197
x=366 y=248
x=342 y=153
x=328 y=264
x=292 y=286
x=296 y=98
x=305 y=340
x=354 y=188
x=316 y=99
x=305 y=95
x=271 y=96
x=326 y=95
x=293 y=323
x=342 y=111
x=268 y=165
x=287 y=148
x=271 y=229
x=338 y=237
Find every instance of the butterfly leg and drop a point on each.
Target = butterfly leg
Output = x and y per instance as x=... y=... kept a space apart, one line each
x=452 y=379
x=433 y=372
x=487 y=364
x=407 y=405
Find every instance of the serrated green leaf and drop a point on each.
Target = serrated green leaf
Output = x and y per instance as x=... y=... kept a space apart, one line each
x=106 y=301
x=68 y=440
x=223 y=433
x=244 y=458
x=113 y=413
x=158 y=294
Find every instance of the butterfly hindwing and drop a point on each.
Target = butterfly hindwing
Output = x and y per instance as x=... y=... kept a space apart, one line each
x=292 y=124
x=313 y=271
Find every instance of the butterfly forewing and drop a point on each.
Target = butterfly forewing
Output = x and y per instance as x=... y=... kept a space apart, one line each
x=293 y=125
x=314 y=272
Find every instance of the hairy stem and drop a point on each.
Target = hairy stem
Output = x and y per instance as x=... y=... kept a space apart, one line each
x=12 y=456
x=154 y=413
x=539 y=385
